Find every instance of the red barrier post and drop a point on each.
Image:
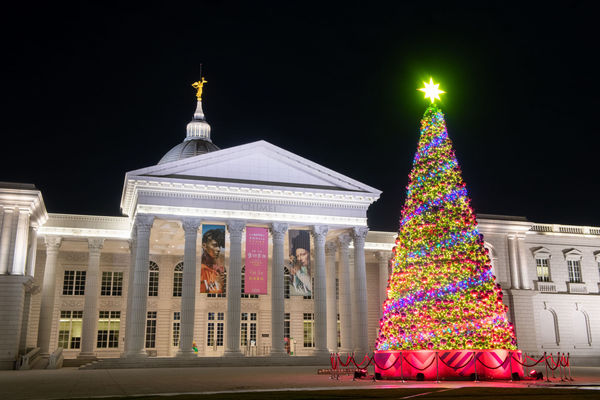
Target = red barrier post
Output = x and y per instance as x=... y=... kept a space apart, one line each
x=437 y=367
x=546 y=362
x=475 y=364
x=510 y=356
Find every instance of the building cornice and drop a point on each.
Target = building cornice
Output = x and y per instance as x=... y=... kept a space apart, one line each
x=73 y=225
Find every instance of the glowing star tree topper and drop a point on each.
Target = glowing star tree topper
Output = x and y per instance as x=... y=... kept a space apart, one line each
x=432 y=90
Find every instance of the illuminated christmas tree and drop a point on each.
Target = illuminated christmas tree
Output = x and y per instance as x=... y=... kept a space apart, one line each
x=441 y=294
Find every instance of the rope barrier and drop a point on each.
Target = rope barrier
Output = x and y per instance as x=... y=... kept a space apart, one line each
x=365 y=359
x=385 y=369
x=421 y=369
x=529 y=366
x=348 y=360
x=462 y=366
x=502 y=364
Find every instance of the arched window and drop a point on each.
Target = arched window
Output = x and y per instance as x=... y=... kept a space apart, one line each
x=178 y=280
x=581 y=327
x=549 y=325
x=153 y=279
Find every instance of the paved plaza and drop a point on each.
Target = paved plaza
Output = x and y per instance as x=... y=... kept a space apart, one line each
x=69 y=383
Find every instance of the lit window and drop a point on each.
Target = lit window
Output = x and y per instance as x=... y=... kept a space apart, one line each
x=74 y=283
x=309 y=334
x=153 y=279
x=112 y=284
x=574 y=267
x=287 y=281
x=151 y=330
x=543 y=269
x=286 y=325
x=69 y=329
x=178 y=280
x=109 y=323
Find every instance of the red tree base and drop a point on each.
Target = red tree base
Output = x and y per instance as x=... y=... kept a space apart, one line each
x=449 y=364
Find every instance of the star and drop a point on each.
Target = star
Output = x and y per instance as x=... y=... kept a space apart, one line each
x=431 y=90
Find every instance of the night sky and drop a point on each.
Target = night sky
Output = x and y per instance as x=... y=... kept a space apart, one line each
x=90 y=92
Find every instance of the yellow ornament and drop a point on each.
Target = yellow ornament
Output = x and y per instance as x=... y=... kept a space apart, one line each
x=198 y=85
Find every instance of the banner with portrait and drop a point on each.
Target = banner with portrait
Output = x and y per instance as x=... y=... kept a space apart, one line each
x=212 y=271
x=257 y=260
x=298 y=265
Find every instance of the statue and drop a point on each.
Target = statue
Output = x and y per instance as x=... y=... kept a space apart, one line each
x=198 y=85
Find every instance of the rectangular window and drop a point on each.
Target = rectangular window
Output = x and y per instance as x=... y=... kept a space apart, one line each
x=153 y=283
x=244 y=330
x=309 y=334
x=151 y=330
x=176 y=328
x=74 y=283
x=543 y=269
x=286 y=325
x=287 y=281
x=69 y=329
x=337 y=289
x=574 y=267
x=112 y=284
x=177 y=284
x=109 y=323
x=211 y=338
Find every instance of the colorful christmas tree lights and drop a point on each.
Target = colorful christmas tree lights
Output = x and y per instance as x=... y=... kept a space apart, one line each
x=441 y=294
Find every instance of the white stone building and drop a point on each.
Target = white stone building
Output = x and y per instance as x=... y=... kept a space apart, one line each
x=118 y=287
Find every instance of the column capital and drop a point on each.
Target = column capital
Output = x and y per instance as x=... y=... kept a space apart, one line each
x=236 y=228
x=190 y=225
x=95 y=244
x=319 y=232
x=343 y=241
x=330 y=248
x=52 y=243
x=278 y=230
x=144 y=222
x=359 y=233
x=383 y=255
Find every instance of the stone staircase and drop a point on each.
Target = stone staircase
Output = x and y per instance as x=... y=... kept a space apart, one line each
x=175 y=362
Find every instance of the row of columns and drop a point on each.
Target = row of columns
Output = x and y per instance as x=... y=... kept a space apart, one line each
x=352 y=290
x=519 y=277
x=16 y=240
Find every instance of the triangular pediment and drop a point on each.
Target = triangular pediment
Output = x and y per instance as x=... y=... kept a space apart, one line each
x=258 y=163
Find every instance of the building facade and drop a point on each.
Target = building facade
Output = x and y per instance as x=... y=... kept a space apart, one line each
x=110 y=287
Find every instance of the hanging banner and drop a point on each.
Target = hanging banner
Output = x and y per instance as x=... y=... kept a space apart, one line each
x=212 y=272
x=298 y=266
x=257 y=260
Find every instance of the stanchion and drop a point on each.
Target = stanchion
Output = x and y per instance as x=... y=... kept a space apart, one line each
x=510 y=356
x=552 y=369
x=475 y=364
x=546 y=363
x=569 y=364
x=402 y=362
x=437 y=367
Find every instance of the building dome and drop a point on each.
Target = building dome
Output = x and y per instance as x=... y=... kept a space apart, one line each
x=197 y=139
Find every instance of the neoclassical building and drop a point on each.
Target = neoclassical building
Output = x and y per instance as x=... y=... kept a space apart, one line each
x=121 y=287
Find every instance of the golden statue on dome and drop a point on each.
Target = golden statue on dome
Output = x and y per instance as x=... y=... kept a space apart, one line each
x=198 y=85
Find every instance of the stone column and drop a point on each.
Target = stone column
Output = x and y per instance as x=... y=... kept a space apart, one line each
x=361 y=344
x=5 y=239
x=330 y=250
x=89 y=327
x=513 y=261
x=135 y=338
x=345 y=295
x=523 y=271
x=383 y=258
x=234 y=288
x=48 y=289
x=131 y=273
x=32 y=251
x=319 y=233
x=278 y=231
x=188 y=298
x=21 y=239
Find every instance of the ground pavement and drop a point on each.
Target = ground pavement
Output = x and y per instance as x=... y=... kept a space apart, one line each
x=68 y=383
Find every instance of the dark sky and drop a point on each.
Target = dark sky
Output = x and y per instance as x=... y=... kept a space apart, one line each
x=92 y=91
